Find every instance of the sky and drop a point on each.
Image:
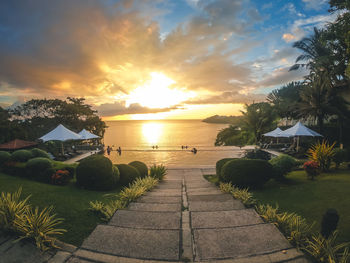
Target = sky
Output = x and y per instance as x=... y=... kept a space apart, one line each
x=153 y=59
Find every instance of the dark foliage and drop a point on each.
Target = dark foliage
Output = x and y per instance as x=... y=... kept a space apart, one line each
x=141 y=168
x=128 y=174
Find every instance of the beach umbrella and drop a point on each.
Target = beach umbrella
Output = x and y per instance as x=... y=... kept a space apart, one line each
x=275 y=133
x=86 y=135
x=300 y=130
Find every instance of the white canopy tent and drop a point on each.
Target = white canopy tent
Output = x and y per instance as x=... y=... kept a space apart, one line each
x=299 y=130
x=60 y=133
x=86 y=135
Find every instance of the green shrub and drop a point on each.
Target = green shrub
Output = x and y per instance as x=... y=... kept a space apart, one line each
x=4 y=157
x=15 y=168
x=128 y=174
x=340 y=156
x=257 y=154
x=96 y=173
x=36 y=152
x=21 y=155
x=282 y=165
x=141 y=167
x=221 y=163
x=36 y=169
x=158 y=171
x=246 y=172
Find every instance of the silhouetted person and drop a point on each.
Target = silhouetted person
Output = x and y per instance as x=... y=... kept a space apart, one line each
x=194 y=150
x=119 y=150
x=109 y=150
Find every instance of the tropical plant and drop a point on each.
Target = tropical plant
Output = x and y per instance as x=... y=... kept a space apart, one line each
x=327 y=250
x=158 y=171
x=322 y=152
x=10 y=207
x=312 y=169
x=40 y=226
x=61 y=177
x=129 y=194
x=241 y=194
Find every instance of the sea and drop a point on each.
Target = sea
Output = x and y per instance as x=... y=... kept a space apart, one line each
x=167 y=142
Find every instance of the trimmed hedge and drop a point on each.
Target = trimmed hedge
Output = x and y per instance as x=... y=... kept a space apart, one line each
x=21 y=156
x=128 y=174
x=96 y=173
x=282 y=165
x=15 y=168
x=140 y=167
x=36 y=152
x=37 y=169
x=4 y=158
x=220 y=164
x=247 y=172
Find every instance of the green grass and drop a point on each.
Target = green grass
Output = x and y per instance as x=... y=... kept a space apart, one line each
x=69 y=202
x=310 y=199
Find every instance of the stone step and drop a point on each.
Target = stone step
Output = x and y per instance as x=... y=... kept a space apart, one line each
x=135 y=243
x=220 y=219
x=160 y=200
x=209 y=191
x=146 y=220
x=161 y=193
x=238 y=242
x=151 y=207
x=210 y=198
x=215 y=206
x=194 y=190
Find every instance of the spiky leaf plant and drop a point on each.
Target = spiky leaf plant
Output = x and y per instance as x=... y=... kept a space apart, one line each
x=322 y=152
x=327 y=250
x=10 y=207
x=40 y=226
x=158 y=171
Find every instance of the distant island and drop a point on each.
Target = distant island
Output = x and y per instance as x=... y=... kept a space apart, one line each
x=222 y=119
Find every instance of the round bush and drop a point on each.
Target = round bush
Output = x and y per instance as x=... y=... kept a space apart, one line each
x=4 y=157
x=36 y=152
x=220 y=164
x=36 y=168
x=96 y=173
x=247 y=172
x=128 y=174
x=116 y=173
x=141 y=167
x=340 y=156
x=257 y=154
x=282 y=165
x=21 y=155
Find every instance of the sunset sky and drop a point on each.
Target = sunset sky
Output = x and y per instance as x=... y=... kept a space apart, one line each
x=152 y=59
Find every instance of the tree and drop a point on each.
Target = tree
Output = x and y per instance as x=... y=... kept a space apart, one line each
x=233 y=135
x=285 y=99
x=257 y=119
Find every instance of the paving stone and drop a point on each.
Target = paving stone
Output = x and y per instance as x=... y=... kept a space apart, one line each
x=288 y=254
x=151 y=207
x=4 y=238
x=215 y=206
x=135 y=243
x=254 y=259
x=162 y=200
x=209 y=191
x=146 y=220
x=60 y=257
x=24 y=252
x=220 y=219
x=160 y=194
x=210 y=198
x=168 y=186
x=238 y=241
x=78 y=260
x=198 y=185
x=99 y=257
x=196 y=190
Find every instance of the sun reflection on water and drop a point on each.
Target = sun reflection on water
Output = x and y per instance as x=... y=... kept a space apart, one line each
x=152 y=132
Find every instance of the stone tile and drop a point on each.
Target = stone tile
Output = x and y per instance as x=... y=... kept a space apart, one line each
x=209 y=191
x=161 y=193
x=198 y=185
x=151 y=207
x=286 y=255
x=238 y=242
x=220 y=219
x=254 y=259
x=210 y=198
x=135 y=243
x=195 y=190
x=99 y=257
x=78 y=260
x=60 y=257
x=24 y=252
x=215 y=206
x=160 y=200
x=146 y=220
x=166 y=186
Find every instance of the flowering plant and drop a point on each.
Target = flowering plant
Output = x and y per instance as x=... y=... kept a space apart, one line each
x=312 y=168
x=60 y=177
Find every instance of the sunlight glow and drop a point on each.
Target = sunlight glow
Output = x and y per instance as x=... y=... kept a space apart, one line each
x=152 y=132
x=156 y=93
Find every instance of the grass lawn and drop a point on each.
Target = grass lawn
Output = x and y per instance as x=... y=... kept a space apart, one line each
x=69 y=202
x=310 y=199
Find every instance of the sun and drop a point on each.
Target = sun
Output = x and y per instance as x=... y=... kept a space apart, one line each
x=158 y=93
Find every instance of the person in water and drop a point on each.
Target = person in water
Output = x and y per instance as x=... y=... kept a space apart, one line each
x=119 y=150
x=109 y=150
x=194 y=150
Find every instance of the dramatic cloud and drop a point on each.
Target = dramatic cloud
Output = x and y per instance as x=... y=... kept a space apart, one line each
x=229 y=97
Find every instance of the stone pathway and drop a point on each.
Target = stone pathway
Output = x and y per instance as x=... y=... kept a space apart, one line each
x=184 y=219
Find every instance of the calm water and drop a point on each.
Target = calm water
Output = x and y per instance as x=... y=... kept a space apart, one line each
x=136 y=139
